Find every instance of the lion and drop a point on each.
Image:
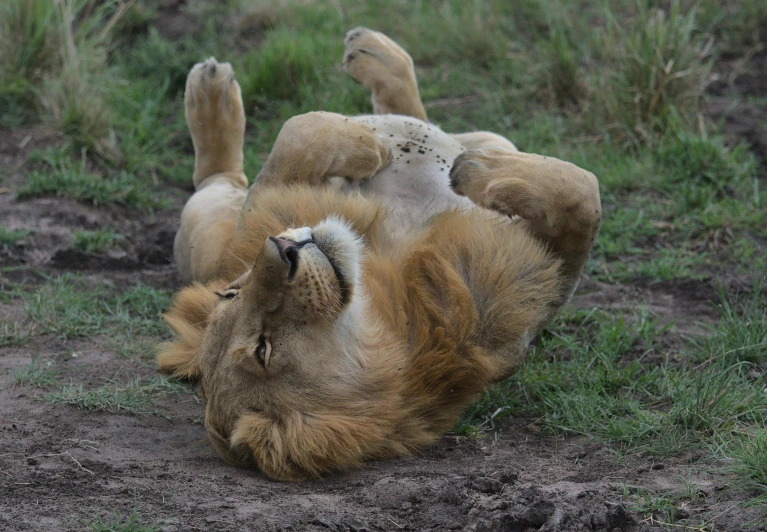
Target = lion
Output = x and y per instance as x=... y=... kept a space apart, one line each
x=376 y=277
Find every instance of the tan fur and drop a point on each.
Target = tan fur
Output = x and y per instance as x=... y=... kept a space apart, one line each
x=357 y=324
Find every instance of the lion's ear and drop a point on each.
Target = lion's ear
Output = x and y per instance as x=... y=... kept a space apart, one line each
x=188 y=317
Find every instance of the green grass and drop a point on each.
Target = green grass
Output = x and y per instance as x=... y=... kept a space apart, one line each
x=659 y=66
x=134 y=396
x=750 y=462
x=36 y=373
x=661 y=507
x=12 y=333
x=741 y=334
x=95 y=241
x=60 y=176
x=120 y=523
x=128 y=320
x=588 y=377
x=27 y=48
x=9 y=237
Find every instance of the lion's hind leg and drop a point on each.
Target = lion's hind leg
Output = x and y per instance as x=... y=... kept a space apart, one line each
x=216 y=120
x=557 y=201
x=380 y=64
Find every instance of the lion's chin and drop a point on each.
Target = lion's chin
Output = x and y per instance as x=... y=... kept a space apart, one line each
x=342 y=247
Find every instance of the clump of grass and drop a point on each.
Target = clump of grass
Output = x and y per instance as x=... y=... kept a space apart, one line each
x=659 y=68
x=95 y=241
x=62 y=177
x=11 y=333
x=9 y=237
x=741 y=334
x=750 y=457
x=28 y=48
x=135 y=396
x=120 y=523
x=659 y=506
x=54 y=55
x=36 y=374
x=75 y=95
x=715 y=400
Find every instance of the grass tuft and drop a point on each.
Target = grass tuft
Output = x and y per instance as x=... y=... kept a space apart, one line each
x=95 y=241
x=741 y=334
x=660 y=66
x=11 y=333
x=750 y=457
x=136 y=396
x=28 y=48
x=120 y=523
x=56 y=53
x=9 y=237
x=36 y=374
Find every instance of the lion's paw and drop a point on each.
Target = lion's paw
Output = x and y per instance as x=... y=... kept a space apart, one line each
x=555 y=196
x=374 y=60
x=212 y=98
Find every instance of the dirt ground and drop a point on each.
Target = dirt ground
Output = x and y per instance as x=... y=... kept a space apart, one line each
x=61 y=468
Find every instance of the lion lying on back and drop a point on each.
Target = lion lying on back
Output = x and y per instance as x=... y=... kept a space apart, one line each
x=378 y=275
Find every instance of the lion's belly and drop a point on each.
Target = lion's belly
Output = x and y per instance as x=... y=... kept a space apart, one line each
x=416 y=184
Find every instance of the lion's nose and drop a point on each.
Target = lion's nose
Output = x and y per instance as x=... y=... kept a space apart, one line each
x=288 y=250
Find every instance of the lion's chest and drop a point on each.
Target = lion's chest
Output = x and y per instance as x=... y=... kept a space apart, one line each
x=416 y=184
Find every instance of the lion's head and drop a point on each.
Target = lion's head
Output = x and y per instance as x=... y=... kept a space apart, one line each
x=278 y=353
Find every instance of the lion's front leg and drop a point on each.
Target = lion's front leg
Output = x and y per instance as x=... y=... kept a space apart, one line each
x=384 y=67
x=313 y=147
x=557 y=200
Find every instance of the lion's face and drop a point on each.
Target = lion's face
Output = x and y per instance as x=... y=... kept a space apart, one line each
x=276 y=336
x=270 y=321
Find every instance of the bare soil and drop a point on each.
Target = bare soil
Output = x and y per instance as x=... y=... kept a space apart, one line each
x=61 y=468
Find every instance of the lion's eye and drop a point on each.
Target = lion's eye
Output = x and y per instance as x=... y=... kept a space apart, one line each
x=263 y=350
x=228 y=294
